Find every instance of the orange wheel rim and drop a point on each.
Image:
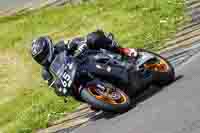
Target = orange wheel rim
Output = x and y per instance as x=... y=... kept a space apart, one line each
x=162 y=66
x=107 y=99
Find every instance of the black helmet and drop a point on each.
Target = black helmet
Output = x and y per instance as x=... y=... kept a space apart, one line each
x=42 y=50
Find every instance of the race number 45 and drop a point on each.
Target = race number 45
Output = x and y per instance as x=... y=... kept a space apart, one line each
x=67 y=80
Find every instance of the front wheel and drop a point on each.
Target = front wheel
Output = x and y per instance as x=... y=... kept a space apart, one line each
x=106 y=97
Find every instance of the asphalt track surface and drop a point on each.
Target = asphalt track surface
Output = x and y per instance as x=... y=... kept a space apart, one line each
x=173 y=109
x=12 y=4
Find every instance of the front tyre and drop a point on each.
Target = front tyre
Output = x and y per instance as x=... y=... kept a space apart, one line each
x=106 y=100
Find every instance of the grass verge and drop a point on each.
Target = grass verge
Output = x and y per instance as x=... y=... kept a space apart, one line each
x=26 y=102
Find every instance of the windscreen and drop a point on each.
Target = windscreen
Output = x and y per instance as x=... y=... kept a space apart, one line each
x=58 y=64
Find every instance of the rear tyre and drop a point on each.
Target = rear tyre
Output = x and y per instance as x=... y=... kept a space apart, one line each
x=164 y=76
x=93 y=97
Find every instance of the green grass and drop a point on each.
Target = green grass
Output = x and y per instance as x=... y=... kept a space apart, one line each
x=26 y=103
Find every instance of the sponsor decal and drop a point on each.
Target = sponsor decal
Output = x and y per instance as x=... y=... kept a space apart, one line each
x=108 y=69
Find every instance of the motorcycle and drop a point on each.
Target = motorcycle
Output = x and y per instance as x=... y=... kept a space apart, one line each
x=109 y=81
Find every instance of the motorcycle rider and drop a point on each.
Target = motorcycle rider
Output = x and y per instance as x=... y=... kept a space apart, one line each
x=43 y=51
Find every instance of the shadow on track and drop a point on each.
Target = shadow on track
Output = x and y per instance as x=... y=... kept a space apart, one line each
x=152 y=90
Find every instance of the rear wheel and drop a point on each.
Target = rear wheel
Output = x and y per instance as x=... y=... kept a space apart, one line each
x=106 y=97
x=160 y=67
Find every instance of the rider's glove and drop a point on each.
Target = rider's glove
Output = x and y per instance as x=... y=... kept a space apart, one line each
x=77 y=46
x=81 y=48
